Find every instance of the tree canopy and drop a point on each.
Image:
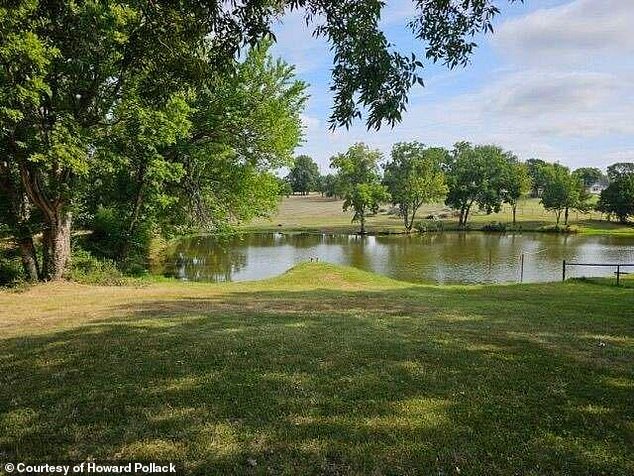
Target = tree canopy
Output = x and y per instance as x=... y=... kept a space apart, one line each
x=414 y=176
x=304 y=176
x=589 y=176
x=475 y=176
x=360 y=183
x=618 y=198
x=563 y=191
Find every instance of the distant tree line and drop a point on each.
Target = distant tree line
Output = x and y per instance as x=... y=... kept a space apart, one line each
x=468 y=177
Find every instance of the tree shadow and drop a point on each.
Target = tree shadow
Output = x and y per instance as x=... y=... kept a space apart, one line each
x=330 y=382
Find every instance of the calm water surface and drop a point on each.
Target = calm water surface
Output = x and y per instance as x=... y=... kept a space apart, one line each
x=438 y=258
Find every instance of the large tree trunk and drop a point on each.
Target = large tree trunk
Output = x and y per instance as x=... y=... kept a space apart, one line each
x=514 y=213
x=56 y=244
x=566 y=217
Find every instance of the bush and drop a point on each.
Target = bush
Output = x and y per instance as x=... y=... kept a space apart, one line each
x=108 y=240
x=559 y=229
x=498 y=227
x=428 y=226
x=11 y=271
x=86 y=269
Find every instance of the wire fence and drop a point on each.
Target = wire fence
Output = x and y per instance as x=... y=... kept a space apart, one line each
x=617 y=266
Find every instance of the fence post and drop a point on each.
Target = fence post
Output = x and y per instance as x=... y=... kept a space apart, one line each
x=522 y=268
x=618 y=274
x=563 y=271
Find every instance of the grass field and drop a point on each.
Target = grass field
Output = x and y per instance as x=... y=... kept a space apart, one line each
x=316 y=213
x=324 y=370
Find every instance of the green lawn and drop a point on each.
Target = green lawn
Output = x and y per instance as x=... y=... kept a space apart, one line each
x=324 y=370
x=316 y=213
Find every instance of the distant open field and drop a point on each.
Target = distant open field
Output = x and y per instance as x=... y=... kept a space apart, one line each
x=316 y=213
x=326 y=370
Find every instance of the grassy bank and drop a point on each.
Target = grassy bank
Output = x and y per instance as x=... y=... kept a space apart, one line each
x=325 y=370
x=314 y=213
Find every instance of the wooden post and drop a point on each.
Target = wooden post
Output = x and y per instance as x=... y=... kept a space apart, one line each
x=563 y=271
x=618 y=274
x=522 y=268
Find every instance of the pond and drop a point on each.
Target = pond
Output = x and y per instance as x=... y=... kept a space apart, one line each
x=449 y=257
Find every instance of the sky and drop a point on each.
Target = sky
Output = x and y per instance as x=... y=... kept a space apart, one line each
x=554 y=81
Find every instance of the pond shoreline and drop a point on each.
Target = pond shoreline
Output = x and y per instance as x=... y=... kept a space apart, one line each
x=583 y=228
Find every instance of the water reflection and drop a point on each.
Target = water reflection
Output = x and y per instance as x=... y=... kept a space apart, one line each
x=440 y=258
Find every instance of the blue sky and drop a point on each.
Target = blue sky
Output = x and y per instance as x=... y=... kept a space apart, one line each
x=555 y=81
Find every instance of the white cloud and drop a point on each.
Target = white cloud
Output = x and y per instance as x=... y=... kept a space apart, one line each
x=531 y=113
x=582 y=33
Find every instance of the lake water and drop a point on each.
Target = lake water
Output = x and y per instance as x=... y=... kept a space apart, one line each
x=449 y=257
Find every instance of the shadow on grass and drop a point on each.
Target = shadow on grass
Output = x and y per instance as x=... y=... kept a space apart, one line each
x=333 y=382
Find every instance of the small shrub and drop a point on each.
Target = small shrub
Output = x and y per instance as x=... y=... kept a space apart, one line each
x=86 y=269
x=559 y=229
x=497 y=227
x=11 y=271
x=108 y=240
x=428 y=226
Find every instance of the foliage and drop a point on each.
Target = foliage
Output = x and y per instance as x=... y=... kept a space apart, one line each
x=197 y=162
x=559 y=229
x=304 y=175
x=537 y=171
x=86 y=269
x=11 y=271
x=476 y=175
x=494 y=226
x=516 y=182
x=329 y=186
x=618 y=198
x=428 y=226
x=620 y=169
x=284 y=188
x=358 y=176
x=413 y=177
x=589 y=176
x=563 y=191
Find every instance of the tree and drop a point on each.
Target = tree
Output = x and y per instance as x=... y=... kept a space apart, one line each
x=361 y=187
x=516 y=182
x=618 y=198
x=284 y=188
x=620 y=169
x=328 y=185
x=563 y=191
x=200 y=166
x=589 y=176
x=475 y=175
x=414 y=177
x=66 y=66
x=537 y=170
x=304 y=175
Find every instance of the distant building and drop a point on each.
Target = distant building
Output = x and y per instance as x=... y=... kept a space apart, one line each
x=597 y=188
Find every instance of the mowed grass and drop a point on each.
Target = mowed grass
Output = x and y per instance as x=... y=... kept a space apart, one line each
x=324 y=370
x=322 y=214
